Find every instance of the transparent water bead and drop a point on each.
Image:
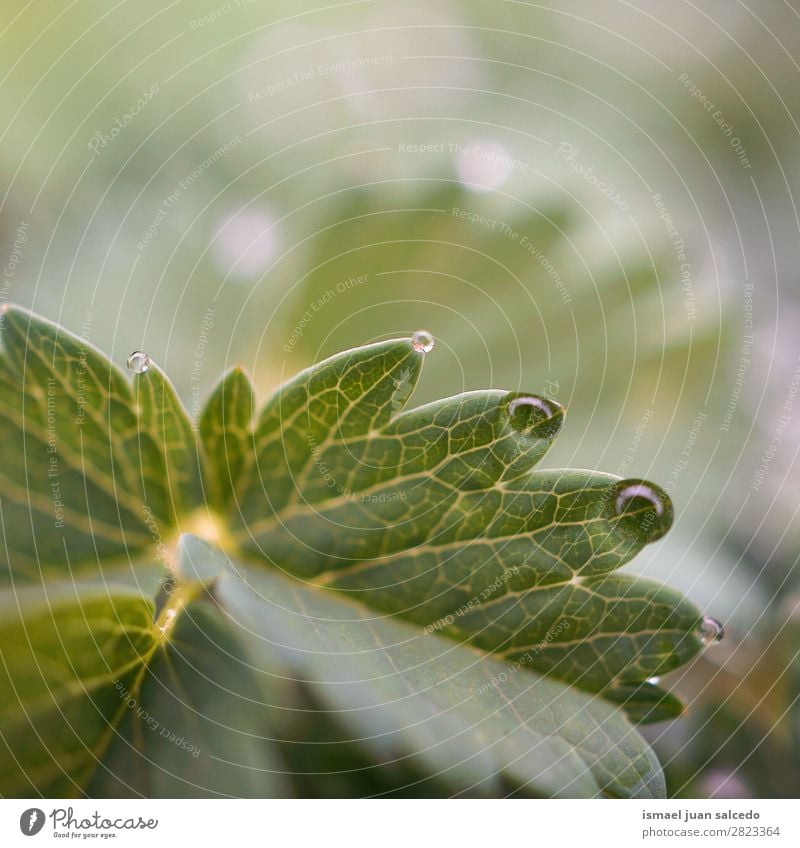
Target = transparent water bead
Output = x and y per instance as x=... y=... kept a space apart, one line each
x=711 y=631
x=654 y=681
x=535 y=416
x=138 y=362
x=642 y=509
x=422 y=341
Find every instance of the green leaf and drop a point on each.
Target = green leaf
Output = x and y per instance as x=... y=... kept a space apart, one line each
x=225 y=426
x=437 y=515
x=90 y=469
x=62 y=651
x=345 y=396
x=474 y=722
x=163 y=418
x=416 y=569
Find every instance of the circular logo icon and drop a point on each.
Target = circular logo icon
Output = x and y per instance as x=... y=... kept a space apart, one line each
x=31 y=821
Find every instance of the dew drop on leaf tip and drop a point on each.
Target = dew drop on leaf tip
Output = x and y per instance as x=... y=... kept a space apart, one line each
x=711 y=631
x=138 y=362
x=642 y=509
x=532 y=415
x=422 y=341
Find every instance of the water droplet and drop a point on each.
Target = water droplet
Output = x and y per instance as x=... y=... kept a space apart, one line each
x=653 y=681
x=138 y=362
x=422 y=341
x=711 y=631
x=642 y=509
x=535 y=416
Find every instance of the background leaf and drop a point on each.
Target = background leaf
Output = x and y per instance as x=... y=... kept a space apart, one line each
x=197 y=727
x=471 y=721
x=63 y=649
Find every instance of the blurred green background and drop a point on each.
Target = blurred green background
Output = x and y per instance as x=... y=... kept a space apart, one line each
x=590 y=199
